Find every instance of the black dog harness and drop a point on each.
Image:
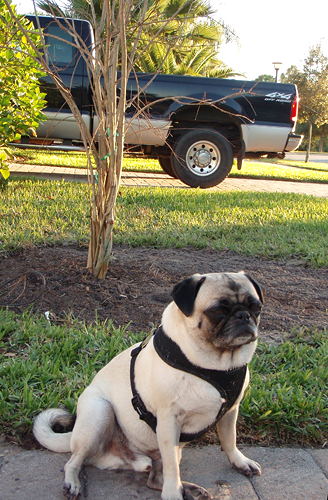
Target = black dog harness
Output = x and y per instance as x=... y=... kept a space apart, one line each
x=228 y=383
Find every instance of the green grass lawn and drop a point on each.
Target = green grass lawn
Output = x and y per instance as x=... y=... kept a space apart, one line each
x=274 y=225
x=284 y=401
x=79 y=160
x=275 y=169
x=281 y=170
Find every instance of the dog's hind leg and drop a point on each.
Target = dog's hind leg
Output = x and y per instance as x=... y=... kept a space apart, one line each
x=155 y=478
x=91 y=437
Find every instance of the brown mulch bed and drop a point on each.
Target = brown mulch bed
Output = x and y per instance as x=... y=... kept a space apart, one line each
x=139 y=282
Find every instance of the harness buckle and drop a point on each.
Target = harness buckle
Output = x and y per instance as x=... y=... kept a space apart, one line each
x=139 y=407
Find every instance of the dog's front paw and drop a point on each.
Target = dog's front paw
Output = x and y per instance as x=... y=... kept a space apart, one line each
x=172 y=492
x=244 y=465
x=72 y=491
x=193 y=492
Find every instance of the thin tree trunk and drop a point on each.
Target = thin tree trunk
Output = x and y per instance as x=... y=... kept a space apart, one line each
x=111 y=139
x=308 y=150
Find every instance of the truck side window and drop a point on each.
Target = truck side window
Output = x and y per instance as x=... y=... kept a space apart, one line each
x=61 y=53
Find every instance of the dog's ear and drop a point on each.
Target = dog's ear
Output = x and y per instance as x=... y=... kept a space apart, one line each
x=259 y=288
x=184 y=294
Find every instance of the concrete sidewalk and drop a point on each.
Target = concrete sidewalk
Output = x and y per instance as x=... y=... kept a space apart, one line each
x=140 y=179
x=287 y=474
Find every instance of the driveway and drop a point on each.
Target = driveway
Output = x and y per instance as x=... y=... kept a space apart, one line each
x=143 y=179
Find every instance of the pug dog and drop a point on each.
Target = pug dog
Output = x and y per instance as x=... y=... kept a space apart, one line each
x=145 y=404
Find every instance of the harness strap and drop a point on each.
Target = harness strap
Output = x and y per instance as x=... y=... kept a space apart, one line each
x=228 y=383
x=137 y=402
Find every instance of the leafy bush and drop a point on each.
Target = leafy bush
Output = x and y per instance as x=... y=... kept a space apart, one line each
x=21 y=101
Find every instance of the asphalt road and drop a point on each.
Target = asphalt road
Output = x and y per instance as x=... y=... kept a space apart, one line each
x=314 y=157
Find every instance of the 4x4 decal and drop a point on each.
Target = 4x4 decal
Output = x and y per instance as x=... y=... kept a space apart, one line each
x=277 y=96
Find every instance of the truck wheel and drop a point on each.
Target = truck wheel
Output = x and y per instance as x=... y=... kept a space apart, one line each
x=202 y=158
x=166 y=165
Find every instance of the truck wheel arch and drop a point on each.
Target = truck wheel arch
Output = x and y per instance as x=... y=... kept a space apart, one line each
x=227 y=124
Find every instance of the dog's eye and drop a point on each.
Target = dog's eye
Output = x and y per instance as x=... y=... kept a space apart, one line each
x=255 y=308
x=224 y=304
x=216 y=314
x=222 y=307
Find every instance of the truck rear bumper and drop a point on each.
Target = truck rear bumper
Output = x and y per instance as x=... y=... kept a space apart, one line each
x=271 y=138
x=265 y=137
x=293 y=141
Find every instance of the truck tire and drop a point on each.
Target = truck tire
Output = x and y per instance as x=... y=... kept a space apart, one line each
x=202 y=158
x=166 y=165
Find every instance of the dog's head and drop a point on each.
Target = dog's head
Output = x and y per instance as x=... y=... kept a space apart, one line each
x=224 y=307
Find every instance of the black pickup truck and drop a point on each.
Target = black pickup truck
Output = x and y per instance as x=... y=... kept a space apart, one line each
x=195 y=126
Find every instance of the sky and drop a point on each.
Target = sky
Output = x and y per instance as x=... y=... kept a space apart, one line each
x=276 y=31
x=280 y=30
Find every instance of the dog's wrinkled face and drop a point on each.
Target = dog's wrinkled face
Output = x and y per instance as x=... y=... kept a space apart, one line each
x=224 y=307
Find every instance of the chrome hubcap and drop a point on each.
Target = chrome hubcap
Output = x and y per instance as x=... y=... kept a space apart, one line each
x=203 y=158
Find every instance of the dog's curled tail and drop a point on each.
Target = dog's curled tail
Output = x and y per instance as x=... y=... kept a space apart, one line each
x=43 y=429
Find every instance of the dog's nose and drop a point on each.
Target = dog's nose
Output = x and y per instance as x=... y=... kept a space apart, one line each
x=243 y=316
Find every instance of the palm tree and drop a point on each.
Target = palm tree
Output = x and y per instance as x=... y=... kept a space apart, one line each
x=201 y=38
x=167 y=23
x=198 y=61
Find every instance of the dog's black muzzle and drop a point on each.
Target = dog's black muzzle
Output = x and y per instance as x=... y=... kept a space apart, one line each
x=238 y=320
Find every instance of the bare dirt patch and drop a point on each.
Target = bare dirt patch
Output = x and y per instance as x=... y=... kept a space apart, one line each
x=139 y=282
